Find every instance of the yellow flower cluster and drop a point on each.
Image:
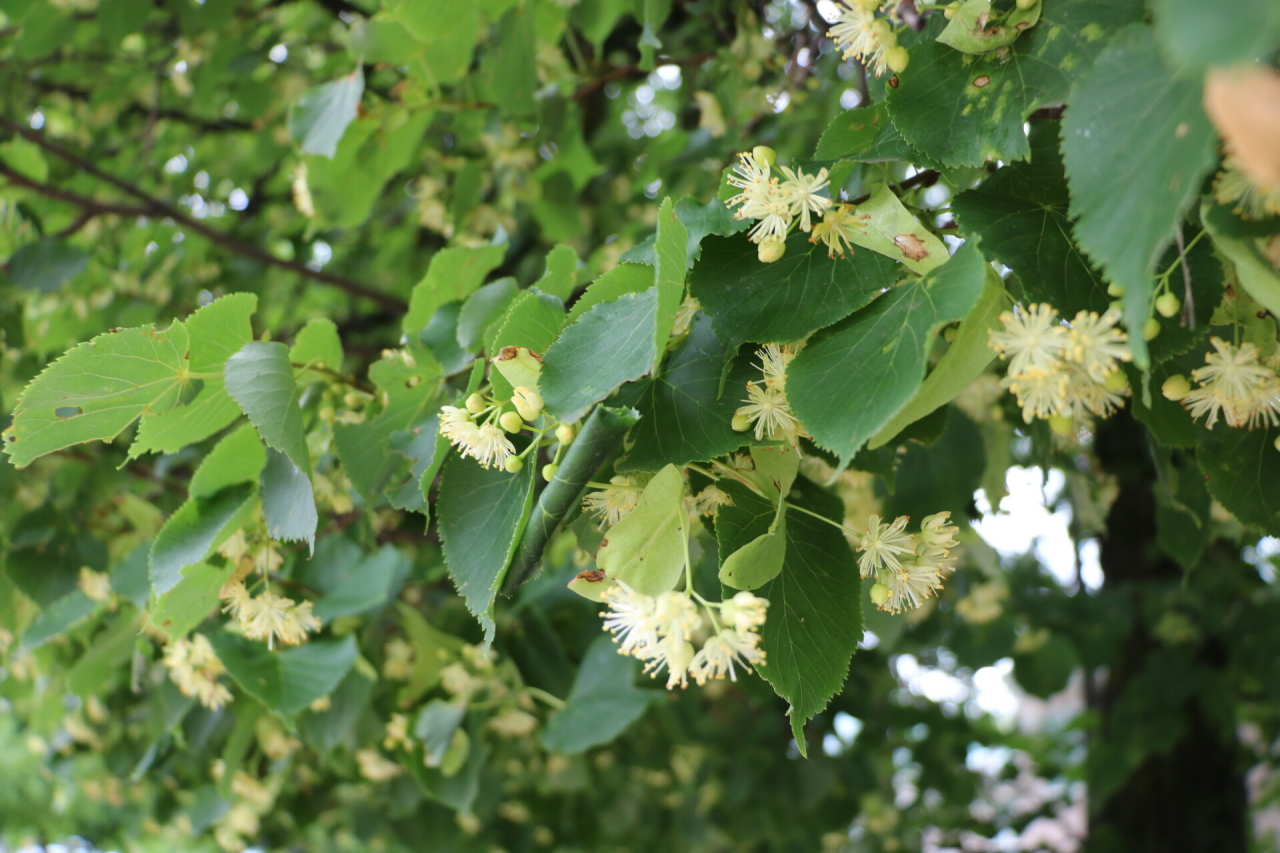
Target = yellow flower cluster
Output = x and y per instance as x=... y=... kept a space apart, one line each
x=908 y=567
x=268 y=616
x=1235 y=383
x=767 y=409
x=775 y=205
x=866 y=38
x=195 y=668
x=660 y=630
x=1063 y=370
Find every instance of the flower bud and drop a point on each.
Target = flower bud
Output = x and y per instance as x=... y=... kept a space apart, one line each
x=514 y=464
x=879 y=594
x=741 y=423
x=1151 y=328
x=565 y=433
x=764 y=155
x=771 y=251
x=1061 y=424
x=1116 y=290
x=549 y=471
x=475 y=404
x=528 y=403
x=1175 y=387
x=1115 y=381
x=1168 y=305
x=510 y=421
x=897 y=58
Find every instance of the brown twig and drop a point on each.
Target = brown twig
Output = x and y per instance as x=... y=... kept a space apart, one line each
x=624 y=71
x=152 y=206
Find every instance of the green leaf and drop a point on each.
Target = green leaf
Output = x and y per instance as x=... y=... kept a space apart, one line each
x=760 y=560
x=647 y=548
x=435 y=727
x=973 y=29
x=452 y=275
x=374 y=148
x=533 y=321
x=962 y=110
x=1242 y=471
x=604 y=701
x=686 y=414
x=700 y=220
x=1196 y=34
x=1126 y=232
x=672 y=262
x=105 y=656
x=369 y=585
x=1255 y=272
x=447 y=31
x=623 y=278
x=894 y=232
x=411 y=400
x=26 y=158
x=45 y=265
x=1169 y=423
x=848 y=382
x=1020 y=213
x=654 y=15
x=509 y=68
x=193 y=532
x=560 y=278
x=786 y=300
x=259 y=377
x=611 y=344
x=321 y=116
x=216 y=331
x=851 y=132
x=237 y=458
x=318 y=345
x=178 y=611
x=815 y=614
x=964 y=361
x=484 y=309
x=942 y=475
x=776 y=469
x=599 y=438
x=288 y=504
x=58 y=618
x=97 y=389
x=482 y=514
x=433 y=650
x=287 y=680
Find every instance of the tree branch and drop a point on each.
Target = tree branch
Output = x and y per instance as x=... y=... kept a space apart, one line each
x=152 y=206
x=623 y=71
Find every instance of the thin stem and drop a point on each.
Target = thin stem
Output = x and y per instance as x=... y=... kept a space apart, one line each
x=824 y=518
x=334 y=375
x=152 y=206
x=688 y=564
x=545 y=697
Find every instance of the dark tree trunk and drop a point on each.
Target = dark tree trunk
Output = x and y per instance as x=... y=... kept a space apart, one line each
x=1189 y=796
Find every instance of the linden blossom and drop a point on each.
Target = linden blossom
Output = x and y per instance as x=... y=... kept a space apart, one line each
x=660 y=631
x=1062 y=371
x=774 y=204
x=908 y=567
x=1234 y=383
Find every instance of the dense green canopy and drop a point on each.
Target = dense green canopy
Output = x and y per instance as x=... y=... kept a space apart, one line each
x=359 y=356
